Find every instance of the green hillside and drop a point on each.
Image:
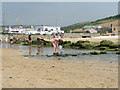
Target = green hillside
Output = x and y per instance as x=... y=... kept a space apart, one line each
x=96 y=22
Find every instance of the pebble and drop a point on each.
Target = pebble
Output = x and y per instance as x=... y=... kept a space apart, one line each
x=53 y=66
x=59 y=58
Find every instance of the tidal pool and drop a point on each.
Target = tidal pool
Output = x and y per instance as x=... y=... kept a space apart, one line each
x=41 y=54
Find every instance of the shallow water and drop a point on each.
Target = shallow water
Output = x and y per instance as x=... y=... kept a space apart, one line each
x=40 y=53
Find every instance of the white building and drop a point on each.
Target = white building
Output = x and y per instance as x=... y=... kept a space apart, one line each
x=48 y=29
x=20 y=30
x=33 y=30
x=91 y=29
x=13 y=29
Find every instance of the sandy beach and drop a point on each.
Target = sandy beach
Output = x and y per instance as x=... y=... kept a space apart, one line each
x=23 y=72
x=94 y=39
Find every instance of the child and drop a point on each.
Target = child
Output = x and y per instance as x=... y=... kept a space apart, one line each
x=55 y=43
x=6 y=39
x=60 y=46
x=40 y=40
x=11 y=39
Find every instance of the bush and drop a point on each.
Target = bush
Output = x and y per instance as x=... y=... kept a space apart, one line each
x=87 y=31
x=106 y=43
x=103 y=52
x=94 y=53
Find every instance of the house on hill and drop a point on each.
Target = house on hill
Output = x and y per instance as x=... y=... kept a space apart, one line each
x=91 y=29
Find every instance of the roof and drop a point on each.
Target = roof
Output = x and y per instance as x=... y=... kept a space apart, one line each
x=92 y=27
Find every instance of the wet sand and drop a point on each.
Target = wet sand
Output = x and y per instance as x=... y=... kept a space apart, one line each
x=23 y=72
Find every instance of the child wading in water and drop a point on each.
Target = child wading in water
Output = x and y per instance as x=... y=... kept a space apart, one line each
x=60 y=46
x=11 y=39
x=55 y=43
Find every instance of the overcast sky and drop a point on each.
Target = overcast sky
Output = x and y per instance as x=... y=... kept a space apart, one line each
x=56 y=13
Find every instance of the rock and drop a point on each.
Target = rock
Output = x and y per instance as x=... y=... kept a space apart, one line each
x=94 y=53
x=118 y=52
x=59 y=58
x=84 y=54
x=53 y=66
x=74 y=55
x=103 y=52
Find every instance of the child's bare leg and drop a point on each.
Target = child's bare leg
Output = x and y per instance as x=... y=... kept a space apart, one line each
x=55 y=49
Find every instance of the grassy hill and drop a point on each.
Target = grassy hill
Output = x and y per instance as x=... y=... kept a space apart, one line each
x=105 y=22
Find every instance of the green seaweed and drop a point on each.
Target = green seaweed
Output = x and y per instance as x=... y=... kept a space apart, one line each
x=94 y=53
x=103 y=52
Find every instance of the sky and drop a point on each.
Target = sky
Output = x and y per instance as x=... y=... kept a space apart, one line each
x=56 y=13
x=60 y=0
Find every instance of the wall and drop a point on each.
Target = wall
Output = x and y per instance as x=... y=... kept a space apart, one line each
x=79 y=35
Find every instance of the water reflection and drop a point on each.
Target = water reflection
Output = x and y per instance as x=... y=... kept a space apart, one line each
x=40 y=51
x=30 y=50
x=11 y=45
x=54 y=60
x=6 y=45
x=1 y=45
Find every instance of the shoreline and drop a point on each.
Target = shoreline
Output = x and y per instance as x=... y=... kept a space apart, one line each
x=114 y=39
x=25 y=72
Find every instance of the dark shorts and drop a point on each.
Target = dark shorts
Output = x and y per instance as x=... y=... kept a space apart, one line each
x=10 y=39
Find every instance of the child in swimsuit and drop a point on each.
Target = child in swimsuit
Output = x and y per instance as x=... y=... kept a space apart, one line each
x=55 y=43
x=60 y=46
x=30 y=39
